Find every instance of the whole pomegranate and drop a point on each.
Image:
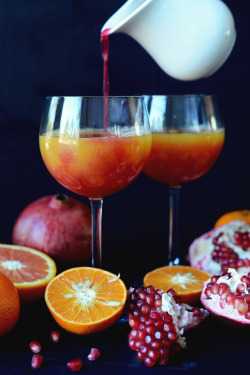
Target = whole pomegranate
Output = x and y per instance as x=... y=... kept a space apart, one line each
x=59 y=226
x=227 y=297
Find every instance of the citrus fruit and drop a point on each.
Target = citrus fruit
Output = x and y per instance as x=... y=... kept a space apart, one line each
x=9 y=305
x=85 y=300
x=186 y=281
x=243 y=215
x=30 y=270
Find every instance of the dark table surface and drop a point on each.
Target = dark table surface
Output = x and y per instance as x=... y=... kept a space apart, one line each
x=212 y=347
x=53 y=48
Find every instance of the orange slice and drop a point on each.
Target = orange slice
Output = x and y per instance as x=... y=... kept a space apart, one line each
x=85 y=300
x=243 y=215
x=30 y=270
x=185 y=280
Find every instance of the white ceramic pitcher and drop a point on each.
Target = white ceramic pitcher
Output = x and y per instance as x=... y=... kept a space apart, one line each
x=189 y=39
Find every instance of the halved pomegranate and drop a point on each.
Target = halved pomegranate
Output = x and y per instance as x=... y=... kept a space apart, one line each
x=224 y=247
x=227 y=297
x=158 y=321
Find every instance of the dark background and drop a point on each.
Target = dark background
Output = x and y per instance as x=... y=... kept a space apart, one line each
x=52 y=48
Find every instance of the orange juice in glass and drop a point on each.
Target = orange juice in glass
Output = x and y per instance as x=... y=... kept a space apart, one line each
x=95 y=147
x=187 y=138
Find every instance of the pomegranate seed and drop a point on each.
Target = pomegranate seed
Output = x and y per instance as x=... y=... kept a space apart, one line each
x=215 y=289
x=55 y=336
x=247 y=298
x=172 y=335
x=214 y=279
x=247 y=315
x=168 y=327
x=35 y=346
x=94 y=354
x=149 y=362
x=151 y=329
x=74 y=365
x=148 y=339
x=36 y=361
x=134 y=322
x=167 y=318
x=238 y=300
x=242 y=239
x=159 y=324
x=208 y=292
x=230 y=298
x=155 y=315
x=150 y=289
x=245 y=279
x=150 y=299
x=223 y=287
x=243 y=308
x=240 y=288
x=160 y=335
x=133 y=334
x=156 y=344
x=140 y=356
x=131 y=344
x=196 y=311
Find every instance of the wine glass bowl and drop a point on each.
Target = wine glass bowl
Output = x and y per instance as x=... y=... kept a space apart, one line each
x=187 y=139
x=95 y=147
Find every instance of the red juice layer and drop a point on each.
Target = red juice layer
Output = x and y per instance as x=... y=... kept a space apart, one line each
x=178 y=158
x=94 y=166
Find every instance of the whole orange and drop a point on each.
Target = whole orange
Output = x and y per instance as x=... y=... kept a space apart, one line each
x=9 y=305
x=243 y=215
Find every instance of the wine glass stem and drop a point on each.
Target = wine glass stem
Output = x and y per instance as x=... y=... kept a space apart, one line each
x=173 y=239
x=96 y=210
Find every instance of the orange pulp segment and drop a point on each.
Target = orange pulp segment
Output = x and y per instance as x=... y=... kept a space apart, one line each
x=186 y=281
x=85 y=300
x=30 y=270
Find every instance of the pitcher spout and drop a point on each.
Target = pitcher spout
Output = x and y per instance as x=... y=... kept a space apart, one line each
x=120 y=20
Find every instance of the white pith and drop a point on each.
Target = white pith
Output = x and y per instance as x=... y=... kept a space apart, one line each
x=201 y=248
x=12 y=265
x=183 y=279
x=87 y=294
x=182 y=317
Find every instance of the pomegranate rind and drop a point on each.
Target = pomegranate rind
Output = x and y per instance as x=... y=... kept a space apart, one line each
x=200 y=250
x=217 y=309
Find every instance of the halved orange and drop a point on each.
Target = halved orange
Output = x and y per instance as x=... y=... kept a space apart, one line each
x=85 y=300
x=186 y=281
x=30 y=270
x=243 y=215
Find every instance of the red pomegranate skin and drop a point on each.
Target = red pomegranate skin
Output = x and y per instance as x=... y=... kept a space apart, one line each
x=58 y=225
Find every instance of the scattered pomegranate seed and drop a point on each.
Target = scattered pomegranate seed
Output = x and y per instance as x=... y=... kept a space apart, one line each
x=36 y=361
x=74 y=365
x=35 y=346
x=94 y=354
x=55 y=336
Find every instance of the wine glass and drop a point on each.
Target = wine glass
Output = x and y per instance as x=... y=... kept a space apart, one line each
x=95 y=146
x=187 y=138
